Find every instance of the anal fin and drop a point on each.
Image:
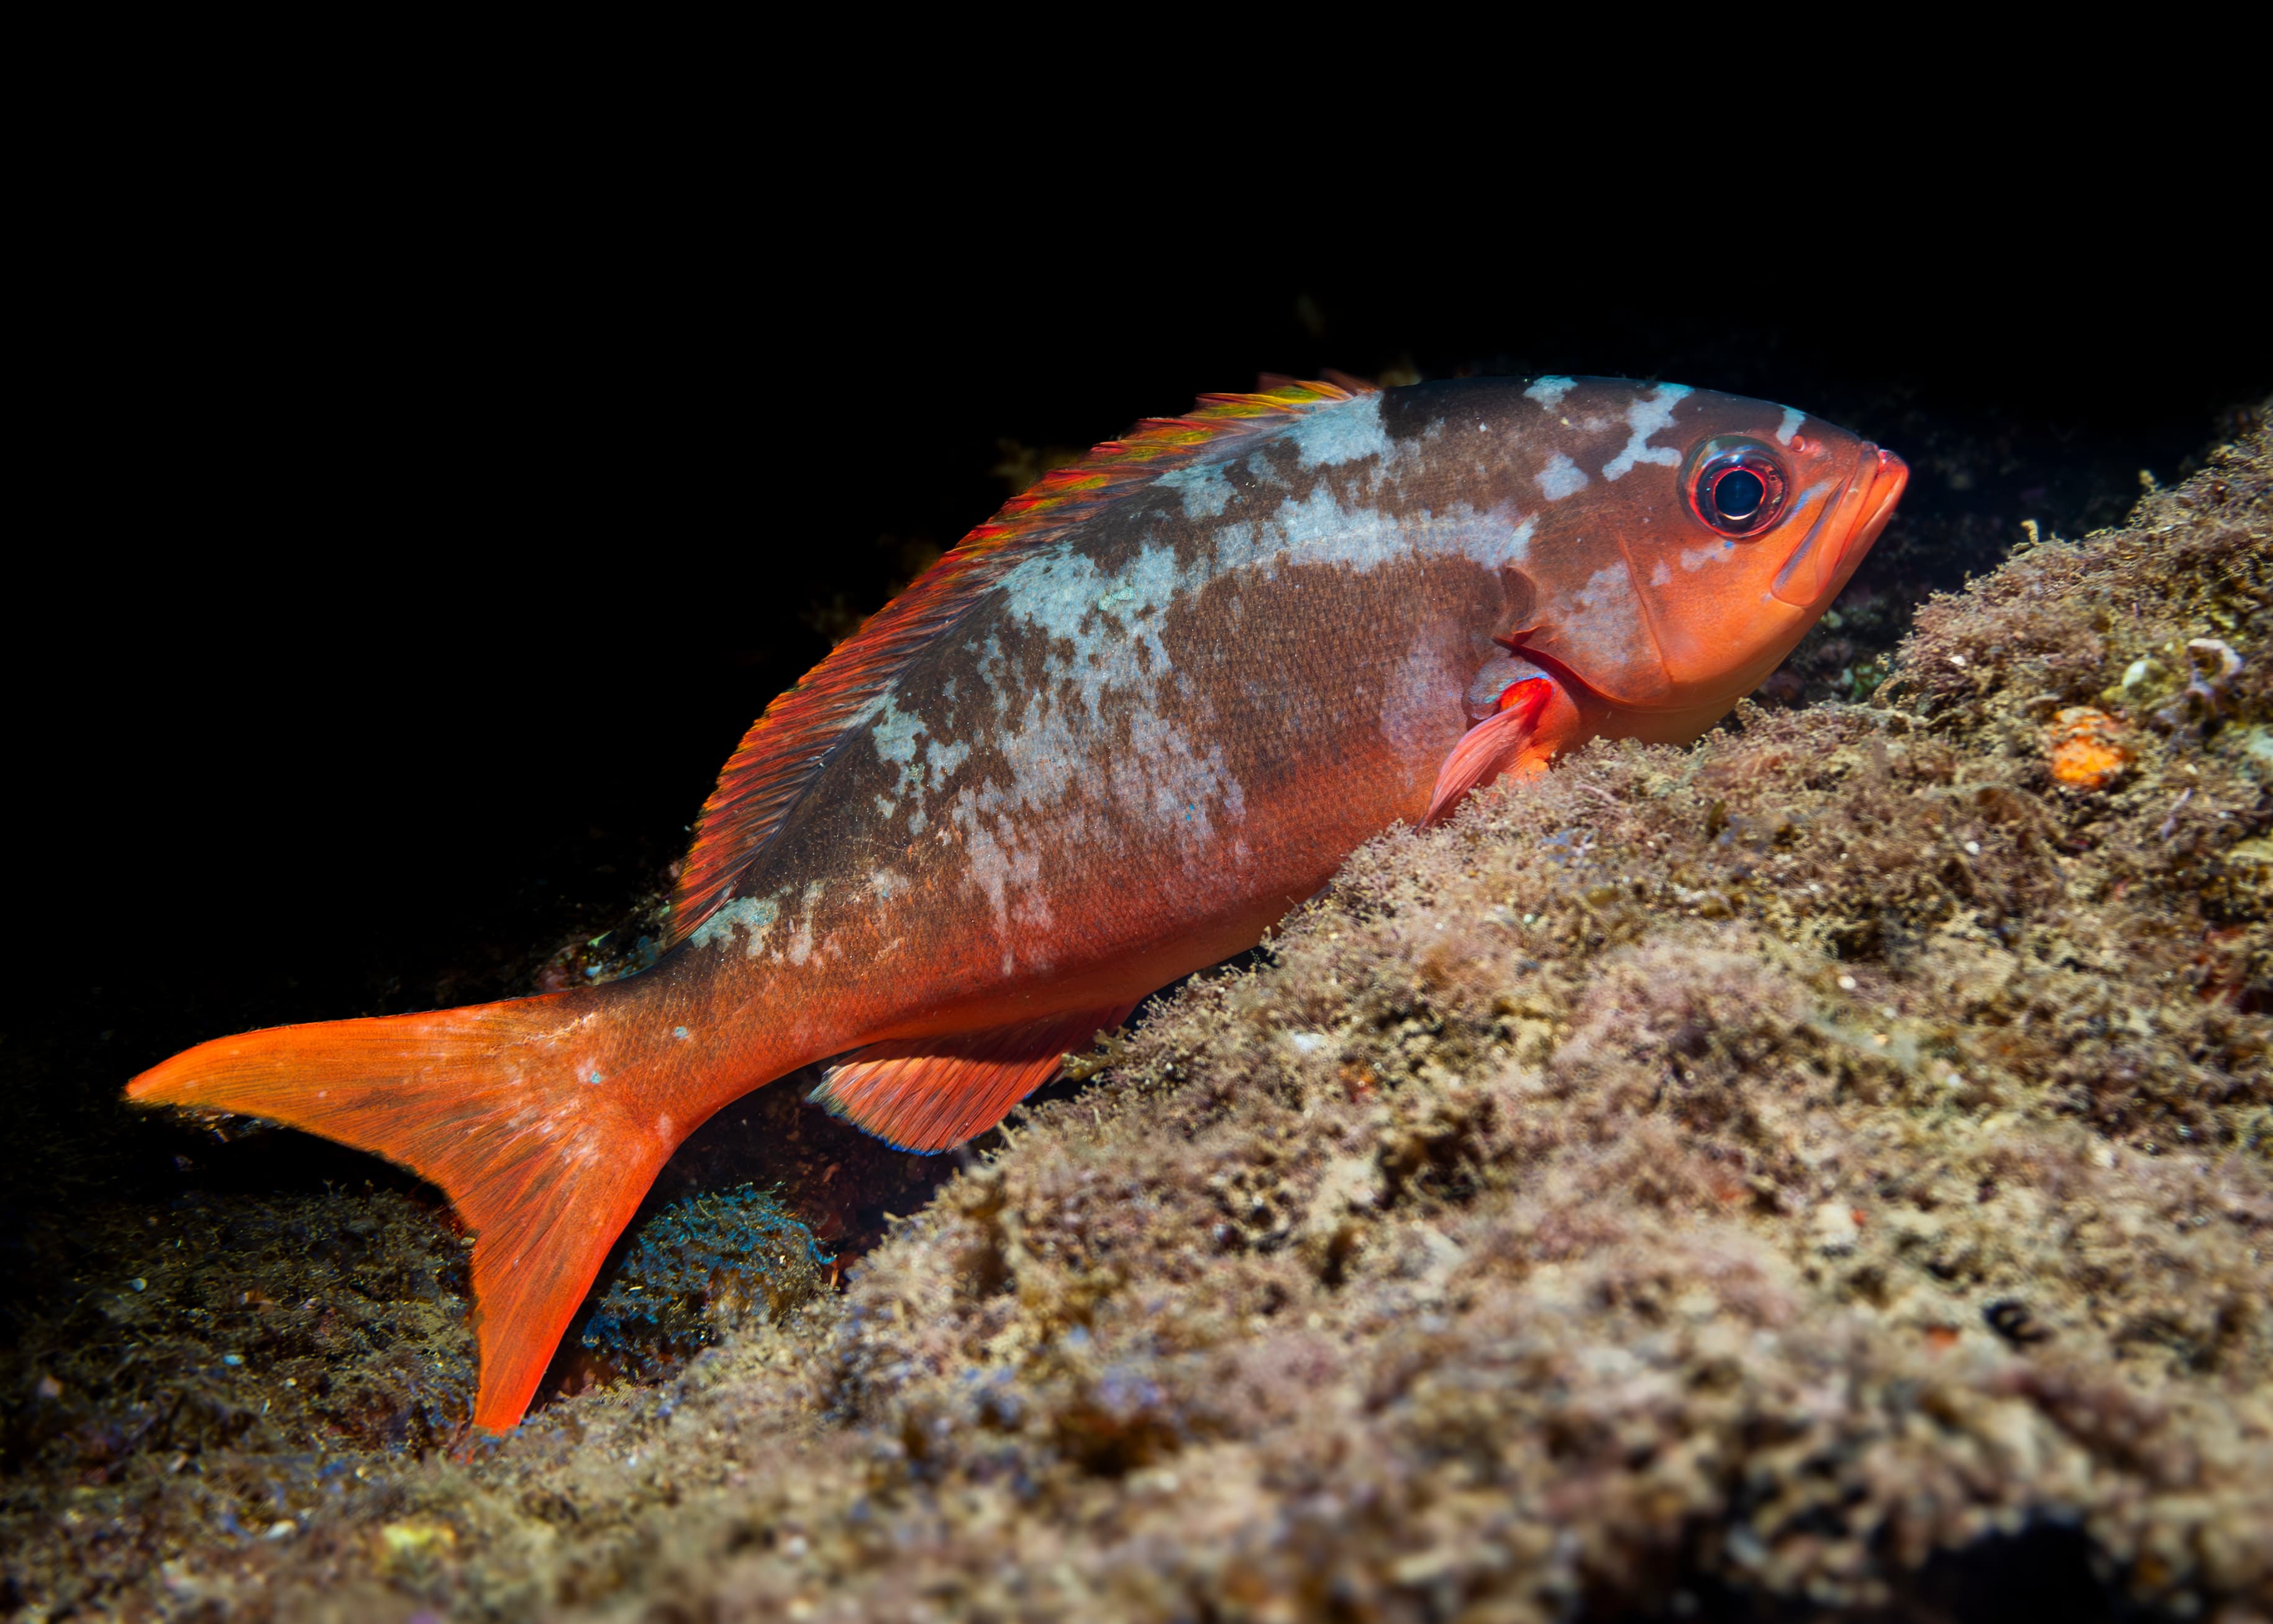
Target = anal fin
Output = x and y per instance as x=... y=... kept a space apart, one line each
x=929 y=1093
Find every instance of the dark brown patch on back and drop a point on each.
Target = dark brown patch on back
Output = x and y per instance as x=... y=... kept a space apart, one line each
x=1410 y=412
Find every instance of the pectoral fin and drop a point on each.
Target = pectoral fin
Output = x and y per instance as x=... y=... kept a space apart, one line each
x=1515 y=737
x=929 y=1093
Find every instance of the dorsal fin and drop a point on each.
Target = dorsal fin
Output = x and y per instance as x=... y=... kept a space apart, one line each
x=786 y=748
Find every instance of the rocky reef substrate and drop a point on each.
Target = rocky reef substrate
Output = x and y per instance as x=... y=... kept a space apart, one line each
x=1827 y=1171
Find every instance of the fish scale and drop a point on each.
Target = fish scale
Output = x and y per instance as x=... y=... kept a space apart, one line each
x=1135 y=718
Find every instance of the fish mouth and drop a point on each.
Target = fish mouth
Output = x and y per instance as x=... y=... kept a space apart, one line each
x=1889 y=479
x=1820 y=565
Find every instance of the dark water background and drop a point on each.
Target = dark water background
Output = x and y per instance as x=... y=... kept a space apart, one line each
x=399 y=598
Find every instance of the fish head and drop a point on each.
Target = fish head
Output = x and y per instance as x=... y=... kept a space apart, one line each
x=1688 y=539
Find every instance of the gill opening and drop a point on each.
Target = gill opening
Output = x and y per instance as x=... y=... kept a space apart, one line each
x=1577 y=688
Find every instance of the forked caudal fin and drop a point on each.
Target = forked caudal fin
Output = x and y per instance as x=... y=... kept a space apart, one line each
x=523 y=1112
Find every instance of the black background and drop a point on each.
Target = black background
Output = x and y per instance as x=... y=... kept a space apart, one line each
x=379 y=555
x=407 y=520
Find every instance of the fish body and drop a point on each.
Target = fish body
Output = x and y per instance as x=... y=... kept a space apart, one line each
x=1131 y=722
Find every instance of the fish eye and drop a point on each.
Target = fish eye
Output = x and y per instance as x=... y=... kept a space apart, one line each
x=1737 y=490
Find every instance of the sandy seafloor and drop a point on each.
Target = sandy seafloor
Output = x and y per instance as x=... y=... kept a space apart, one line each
x=1827 y=1171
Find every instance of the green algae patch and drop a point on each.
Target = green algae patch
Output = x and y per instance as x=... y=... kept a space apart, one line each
x=1829 y=1169
x=696 y=1271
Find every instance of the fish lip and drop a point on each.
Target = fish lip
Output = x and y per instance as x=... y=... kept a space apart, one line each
x=1889 y=477
x=1850 y=521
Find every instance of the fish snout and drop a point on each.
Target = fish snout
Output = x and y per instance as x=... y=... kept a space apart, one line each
x=1886 y=477
x=1888 y=480
x=1820 y=566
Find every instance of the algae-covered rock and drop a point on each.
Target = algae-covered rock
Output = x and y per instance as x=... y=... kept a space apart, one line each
x=1827 y=1171
x=696 y=1271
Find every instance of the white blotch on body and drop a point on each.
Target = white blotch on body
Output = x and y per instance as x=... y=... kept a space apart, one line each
x=1649 y=414
x=798 y=948
x=895 y=732
x=1326 y=436
x=1060 y=785
x=753 y=917
x=1206 y=493
x=1347 y=431
x=1107 y=617
x=1419 y=718
x=1548 y=392
x=1605 y=615
x=1792 y=419
x=1561 y=477
x=903 y=740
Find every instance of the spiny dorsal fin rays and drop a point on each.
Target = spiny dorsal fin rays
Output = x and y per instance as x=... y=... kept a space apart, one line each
x=786 y=748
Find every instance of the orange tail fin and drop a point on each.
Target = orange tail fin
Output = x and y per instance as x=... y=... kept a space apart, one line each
x=521 y=1111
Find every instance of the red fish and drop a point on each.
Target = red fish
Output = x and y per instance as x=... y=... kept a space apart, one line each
x=1109 y=739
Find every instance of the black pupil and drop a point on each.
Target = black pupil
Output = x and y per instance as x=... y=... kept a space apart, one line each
x=1737 y=494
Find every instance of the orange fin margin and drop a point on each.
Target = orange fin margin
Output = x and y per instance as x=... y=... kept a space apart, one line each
x=930 y=1094
x=786 y=748
x=1520 y=737
x=495 y=1104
